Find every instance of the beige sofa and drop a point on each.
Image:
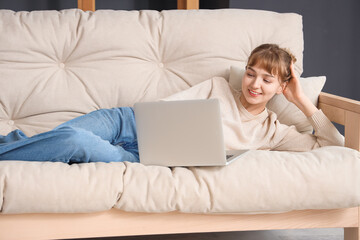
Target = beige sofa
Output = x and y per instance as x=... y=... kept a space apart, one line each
x=55 y=66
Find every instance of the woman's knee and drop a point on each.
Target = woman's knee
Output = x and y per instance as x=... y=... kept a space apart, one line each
x=75 y=136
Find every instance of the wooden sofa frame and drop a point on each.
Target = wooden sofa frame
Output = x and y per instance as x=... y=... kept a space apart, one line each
x=118 y=223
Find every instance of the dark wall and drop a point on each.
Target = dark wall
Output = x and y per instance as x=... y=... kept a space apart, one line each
x=331 y=31
x=30 y=5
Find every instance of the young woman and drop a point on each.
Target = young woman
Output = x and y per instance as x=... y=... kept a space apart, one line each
x=109 y=135
x=270 y=71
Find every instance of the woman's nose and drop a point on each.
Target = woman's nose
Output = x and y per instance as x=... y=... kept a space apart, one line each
x=256 y=83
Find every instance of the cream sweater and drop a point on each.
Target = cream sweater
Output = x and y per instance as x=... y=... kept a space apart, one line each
x=242 y=130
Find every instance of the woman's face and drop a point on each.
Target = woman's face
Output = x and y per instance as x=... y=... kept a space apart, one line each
x=258 y=87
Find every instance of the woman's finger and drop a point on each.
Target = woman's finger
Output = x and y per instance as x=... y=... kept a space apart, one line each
x=292 y=70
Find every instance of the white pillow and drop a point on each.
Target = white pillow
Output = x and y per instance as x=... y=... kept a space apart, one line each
x=286 y=111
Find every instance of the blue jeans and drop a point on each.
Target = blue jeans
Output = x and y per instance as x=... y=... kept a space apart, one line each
x=105 y=135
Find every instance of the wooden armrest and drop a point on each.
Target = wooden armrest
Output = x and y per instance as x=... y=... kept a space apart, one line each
x=346 y=112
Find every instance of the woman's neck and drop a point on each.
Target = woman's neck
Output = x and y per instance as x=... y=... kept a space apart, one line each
x=251 y=108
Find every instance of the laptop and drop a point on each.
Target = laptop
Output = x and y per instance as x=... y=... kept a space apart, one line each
x=182 y=133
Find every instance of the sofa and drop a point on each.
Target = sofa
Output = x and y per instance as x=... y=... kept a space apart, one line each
x=58 y=65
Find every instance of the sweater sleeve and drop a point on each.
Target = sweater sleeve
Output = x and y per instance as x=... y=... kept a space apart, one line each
x=325 y=134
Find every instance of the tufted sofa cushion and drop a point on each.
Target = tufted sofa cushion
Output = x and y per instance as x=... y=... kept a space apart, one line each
x=55 y=66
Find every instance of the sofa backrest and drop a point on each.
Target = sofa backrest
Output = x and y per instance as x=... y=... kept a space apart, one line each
x=57 y=65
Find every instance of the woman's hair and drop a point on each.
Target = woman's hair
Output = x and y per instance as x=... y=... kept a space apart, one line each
x=273 y=59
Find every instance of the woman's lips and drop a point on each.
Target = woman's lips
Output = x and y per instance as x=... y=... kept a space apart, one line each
x=253 y=94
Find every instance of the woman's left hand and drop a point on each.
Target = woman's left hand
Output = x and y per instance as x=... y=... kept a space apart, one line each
x=294 y=93
x=292 y=90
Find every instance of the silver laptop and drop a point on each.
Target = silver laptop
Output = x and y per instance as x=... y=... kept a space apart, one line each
x=182 y=133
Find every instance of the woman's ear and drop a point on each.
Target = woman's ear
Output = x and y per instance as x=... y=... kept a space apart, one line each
x=281 y=88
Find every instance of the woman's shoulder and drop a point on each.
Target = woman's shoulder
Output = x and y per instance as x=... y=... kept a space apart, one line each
x=221 y=81
x=221 y=84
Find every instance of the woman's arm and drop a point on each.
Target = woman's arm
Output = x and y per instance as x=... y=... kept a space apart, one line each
x=325 y=133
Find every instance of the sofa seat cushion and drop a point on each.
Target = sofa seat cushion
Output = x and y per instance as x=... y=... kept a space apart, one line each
x=259 y=182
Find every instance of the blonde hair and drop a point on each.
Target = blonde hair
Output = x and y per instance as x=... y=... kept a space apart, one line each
x=273 y=59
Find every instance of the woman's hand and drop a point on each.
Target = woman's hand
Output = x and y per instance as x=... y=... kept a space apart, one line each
x=292 y=90
x=294 y=93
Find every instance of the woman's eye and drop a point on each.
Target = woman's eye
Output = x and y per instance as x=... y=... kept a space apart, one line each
x=250 y=75
x=267 y=81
